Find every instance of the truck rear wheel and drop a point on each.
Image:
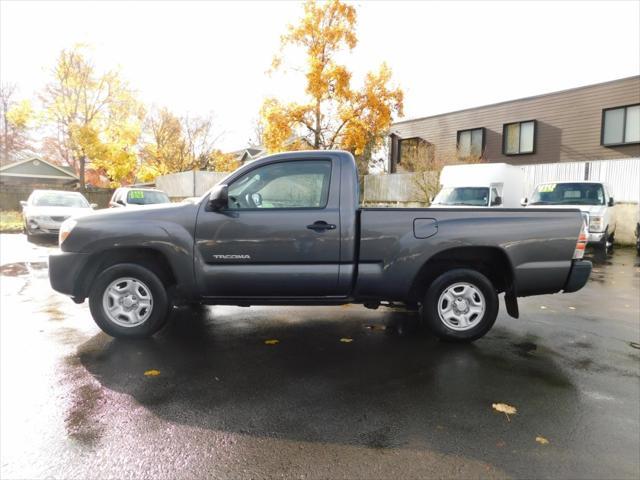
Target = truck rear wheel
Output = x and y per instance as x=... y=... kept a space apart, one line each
x=461 y=305
x=128 y=301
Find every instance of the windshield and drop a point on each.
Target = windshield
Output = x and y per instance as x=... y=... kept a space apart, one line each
x=60 y=199
x=472 y=196
x=568 y=194
x=146 y=197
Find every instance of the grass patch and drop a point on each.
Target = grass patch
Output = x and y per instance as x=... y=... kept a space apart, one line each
x=10 y=222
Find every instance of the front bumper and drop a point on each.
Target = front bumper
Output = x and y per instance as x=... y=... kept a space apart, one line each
x=65 y=271
x=578 y=276
x=42 y=226
x=595 y=237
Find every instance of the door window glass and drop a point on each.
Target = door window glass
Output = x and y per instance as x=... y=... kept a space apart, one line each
x=297 y=184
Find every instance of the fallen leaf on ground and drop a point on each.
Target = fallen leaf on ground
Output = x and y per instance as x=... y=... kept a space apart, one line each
x=504 y=408
x=541 y=440
x=272 y=341
x=375 y=327
x=152 y=373
x=346 y=340
x=500 y=444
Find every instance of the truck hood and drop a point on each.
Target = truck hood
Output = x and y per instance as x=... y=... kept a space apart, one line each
x=141 y=213
x=590 y=209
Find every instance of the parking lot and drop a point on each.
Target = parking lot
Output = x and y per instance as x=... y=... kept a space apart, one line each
x=345 y=392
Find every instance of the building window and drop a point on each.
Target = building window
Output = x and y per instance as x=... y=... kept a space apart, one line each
x=470 y=143
x=621 y=125
x=519 y=138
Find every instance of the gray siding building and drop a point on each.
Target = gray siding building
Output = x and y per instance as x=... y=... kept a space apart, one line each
x=595 y=122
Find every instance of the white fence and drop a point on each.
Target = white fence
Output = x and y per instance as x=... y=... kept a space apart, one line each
x=188 y=184
x=622 y=176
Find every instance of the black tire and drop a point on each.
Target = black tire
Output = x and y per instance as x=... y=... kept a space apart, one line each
x=159 y=310
x=430 y=307
x=611 y=240
x=605 y=245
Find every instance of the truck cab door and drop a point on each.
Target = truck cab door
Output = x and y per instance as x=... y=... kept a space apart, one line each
x=279 y=235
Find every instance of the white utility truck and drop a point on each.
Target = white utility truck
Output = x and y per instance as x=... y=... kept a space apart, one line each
x=480 y=185
x=594 y=199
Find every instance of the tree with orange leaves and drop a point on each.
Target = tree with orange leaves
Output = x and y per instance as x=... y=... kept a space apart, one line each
x=335 y=115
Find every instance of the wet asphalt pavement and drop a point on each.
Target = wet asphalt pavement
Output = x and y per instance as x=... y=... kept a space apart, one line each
x=393 y=402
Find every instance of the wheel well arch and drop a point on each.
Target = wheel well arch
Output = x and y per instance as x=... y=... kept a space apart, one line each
x=492 y=262
x=148 y=257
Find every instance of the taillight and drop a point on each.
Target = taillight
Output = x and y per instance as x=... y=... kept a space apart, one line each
x=581 y=244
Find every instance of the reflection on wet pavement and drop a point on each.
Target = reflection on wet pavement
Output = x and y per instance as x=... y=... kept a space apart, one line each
x=21 y=268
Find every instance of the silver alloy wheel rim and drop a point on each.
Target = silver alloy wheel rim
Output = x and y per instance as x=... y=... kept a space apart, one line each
x=461 y=306
x=127 y=302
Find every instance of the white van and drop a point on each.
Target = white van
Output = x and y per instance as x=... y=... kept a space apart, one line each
x=480 y=185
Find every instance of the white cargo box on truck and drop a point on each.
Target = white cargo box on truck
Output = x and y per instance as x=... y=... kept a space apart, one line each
x=481 y=185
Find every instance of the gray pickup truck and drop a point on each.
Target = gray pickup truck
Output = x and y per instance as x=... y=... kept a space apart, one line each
x=287 y=230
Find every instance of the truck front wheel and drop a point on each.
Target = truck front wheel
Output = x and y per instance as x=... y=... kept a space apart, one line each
x=461 y=305
x=128 y=301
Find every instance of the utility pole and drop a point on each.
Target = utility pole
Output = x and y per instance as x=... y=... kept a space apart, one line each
x=82 y=182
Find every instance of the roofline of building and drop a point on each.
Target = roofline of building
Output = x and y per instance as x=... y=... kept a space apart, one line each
x=515 y=100
x=30 y=159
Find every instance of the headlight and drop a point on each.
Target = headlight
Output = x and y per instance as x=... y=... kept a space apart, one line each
x=596 y=224
x=65 y=229
x=38 y=218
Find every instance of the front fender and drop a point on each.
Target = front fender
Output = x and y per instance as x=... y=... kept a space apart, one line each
x=171 y=240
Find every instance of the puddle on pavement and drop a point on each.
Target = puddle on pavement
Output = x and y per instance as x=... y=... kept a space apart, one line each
x=52 y=309
x=525 y=349
x=80 y=422
x=21 y=268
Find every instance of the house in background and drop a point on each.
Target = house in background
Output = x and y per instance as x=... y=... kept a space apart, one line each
x=35 y=172
x=249 y=154
x=254 y=152
x=584 y=124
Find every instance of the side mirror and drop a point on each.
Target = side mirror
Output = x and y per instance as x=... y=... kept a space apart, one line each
x=93 y=205
x=524 y=201
x=496 y=202
x=121 y=203
x=218 y=198
x=611 y=202
x=23 y=203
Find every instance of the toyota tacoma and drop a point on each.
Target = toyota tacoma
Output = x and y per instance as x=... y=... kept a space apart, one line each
x=288 y=230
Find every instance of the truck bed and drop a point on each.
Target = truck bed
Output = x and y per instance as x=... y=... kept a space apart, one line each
x=396 y=242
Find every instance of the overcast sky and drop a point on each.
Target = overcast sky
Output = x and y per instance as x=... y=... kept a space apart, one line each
x=202 y=56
